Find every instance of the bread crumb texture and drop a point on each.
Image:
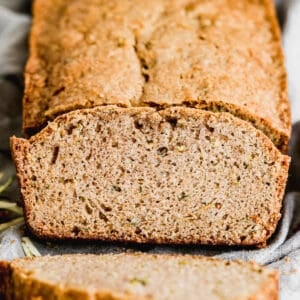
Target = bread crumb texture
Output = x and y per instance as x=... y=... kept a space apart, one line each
x=136 y=276
x=220 y=55
x=180 y=175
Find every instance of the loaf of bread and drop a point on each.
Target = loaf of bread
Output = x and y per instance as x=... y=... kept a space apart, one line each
x=135 y=277
x=218 y=55
x=175 y=111
x=179 y=175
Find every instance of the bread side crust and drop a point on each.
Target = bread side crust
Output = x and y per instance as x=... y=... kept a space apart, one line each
x=269 y=289
x=284 y=106
x=30 y=69
x=22 y=285
x=19 y=149
x=5 y=277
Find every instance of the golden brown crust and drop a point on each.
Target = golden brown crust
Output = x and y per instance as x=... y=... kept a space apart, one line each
x=21 y=284
x=49 y=92
x=283 y=106
x=5 y=276
x=270 y=288
x=19 y=151
x=26 y=287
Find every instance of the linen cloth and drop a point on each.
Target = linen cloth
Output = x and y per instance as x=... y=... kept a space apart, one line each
x=283 y=250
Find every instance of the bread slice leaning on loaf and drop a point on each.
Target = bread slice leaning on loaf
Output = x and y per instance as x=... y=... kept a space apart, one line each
x=179 y=175
x=135 y=276
x=218 y=55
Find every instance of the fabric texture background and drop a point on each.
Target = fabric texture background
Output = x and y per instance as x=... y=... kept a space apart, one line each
x=283 y=251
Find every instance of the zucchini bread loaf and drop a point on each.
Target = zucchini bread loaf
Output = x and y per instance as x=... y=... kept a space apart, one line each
x=219 y=55
x=135 y=276
x=176 y=117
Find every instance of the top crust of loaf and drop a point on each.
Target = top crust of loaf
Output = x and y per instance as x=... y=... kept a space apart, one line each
x=217 y=55
x=24 y=274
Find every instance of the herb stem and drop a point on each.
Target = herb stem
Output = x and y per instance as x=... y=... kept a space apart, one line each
x=6 y=184
x=11 y=206
x=13 y=222
x=29 y=248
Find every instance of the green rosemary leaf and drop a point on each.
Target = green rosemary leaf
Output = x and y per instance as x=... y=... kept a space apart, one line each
x=29 y=248
x=6 y=184
x=6 y=225
x=11 y=206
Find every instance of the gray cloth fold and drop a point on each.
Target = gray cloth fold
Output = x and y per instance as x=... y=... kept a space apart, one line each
x=13 y=41
x=283 y=250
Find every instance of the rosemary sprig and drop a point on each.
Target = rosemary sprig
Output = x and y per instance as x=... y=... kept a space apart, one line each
x=4 y=186
x=11 y=206
x=6 y=225
x=27 y=245
x=29 y=248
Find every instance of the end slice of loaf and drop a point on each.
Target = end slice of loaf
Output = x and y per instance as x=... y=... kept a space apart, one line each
x=178 y=176
x=135 y=276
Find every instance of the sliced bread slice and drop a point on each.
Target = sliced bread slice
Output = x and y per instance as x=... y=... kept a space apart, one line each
x=135 y=276
x=179 y=175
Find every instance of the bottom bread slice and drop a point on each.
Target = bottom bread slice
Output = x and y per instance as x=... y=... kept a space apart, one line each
x=178 y=175
x=135 y=276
